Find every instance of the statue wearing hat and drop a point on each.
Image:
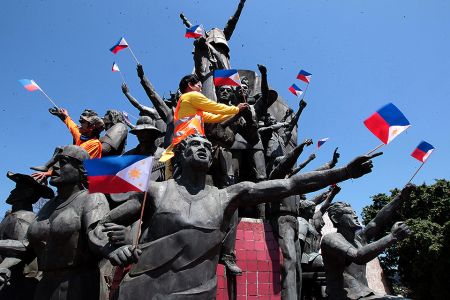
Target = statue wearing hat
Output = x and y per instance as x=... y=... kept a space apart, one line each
x=147 y=134
x=63 y=235
x=18 y=278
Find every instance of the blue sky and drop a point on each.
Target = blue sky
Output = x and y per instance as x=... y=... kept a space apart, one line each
x=362 y=54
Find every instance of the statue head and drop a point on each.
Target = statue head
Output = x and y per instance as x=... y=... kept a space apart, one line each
x=217 y=38
x=145 y=130
x=190 y=83
x=342 y=215
x=225 y=94
x=307 y=209
x=112 y=117
x=194 y=152
x=91 y=125
x=27 y=189
x=69 y=169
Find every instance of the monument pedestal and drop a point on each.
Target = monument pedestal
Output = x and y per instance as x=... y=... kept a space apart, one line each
x=258 y=255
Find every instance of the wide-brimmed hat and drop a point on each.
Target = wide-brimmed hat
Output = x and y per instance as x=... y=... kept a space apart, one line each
x=41 y=189
x=145 y=123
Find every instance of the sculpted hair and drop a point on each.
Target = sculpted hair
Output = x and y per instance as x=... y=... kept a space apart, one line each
x=336 y=210
x=304 y=204
x=114 y=116
x=184 y=82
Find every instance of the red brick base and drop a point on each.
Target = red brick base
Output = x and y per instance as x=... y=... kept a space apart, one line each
x=258 y=256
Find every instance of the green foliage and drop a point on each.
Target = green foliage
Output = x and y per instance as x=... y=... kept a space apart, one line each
x=419 y=266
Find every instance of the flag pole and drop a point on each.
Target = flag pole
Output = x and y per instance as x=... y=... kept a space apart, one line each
x=136 y=241
x=304 y=93
x=375 y=149
x=50 y=99
x=415 y=173
x=123 y=78
x=132 y=53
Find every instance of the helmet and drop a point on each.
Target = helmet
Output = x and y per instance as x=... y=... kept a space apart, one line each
x=75 y=152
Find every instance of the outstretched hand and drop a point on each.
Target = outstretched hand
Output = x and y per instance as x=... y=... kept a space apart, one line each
x=308 y=142
x=302 y=104
x=400 y=231
x=61 y=113
x=361 y=165
x=262 y=69
x=407 y=190
x=125 y=89
x=140 y=70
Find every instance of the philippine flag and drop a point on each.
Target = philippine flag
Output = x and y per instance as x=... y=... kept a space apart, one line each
x=304 y=76
x=118 y=174
x=294 y=89
x=120 y=45
x=387 y=123
x=321 y=142
x=194 y=32
x=29 y=84
x=115 y=67
x=227 y=77
x=422 y=151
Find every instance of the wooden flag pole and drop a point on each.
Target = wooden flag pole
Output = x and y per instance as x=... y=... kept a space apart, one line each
x=375 y=149
x=136 y=241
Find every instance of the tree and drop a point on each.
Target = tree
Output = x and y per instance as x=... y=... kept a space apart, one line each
x=419 y=266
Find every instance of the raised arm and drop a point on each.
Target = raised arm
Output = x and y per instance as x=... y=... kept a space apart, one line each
x=133 y=101
x=334 y=190
x=294 y=121
x=332 y=163
x=386 y=213
x=161 y=107
x=231 y=24
x=288 y=161
x=248 y=193
x=303 y=164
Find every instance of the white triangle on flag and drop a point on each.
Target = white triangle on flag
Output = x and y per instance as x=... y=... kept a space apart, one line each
x=137 y=174
x=394 y=131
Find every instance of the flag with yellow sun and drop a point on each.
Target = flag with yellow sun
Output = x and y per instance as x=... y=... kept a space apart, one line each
x=119 y=174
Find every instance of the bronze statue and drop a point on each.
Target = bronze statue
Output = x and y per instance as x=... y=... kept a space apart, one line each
x=347 y=251
x=115 y=138
x=310 y=226
x=212 y=52
x=186 y=221
x=63 y=235
x=18 y=278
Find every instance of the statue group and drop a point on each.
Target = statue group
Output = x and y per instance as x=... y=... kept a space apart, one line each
x=242 y=163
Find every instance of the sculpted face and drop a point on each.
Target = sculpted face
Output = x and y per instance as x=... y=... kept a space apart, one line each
x=146 y=136
x=349 y=219
x=198 y=153
x=67 y=172
x=225 y=93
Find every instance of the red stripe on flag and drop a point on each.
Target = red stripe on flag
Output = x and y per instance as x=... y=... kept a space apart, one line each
x=110 y=184
x=418 y=154
x=378 y=126
x=225 y=81
x=118 y=48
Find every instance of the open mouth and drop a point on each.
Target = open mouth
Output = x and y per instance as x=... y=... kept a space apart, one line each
x=202 y=155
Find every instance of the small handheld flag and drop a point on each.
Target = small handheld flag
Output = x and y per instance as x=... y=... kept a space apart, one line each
x=321 y=142
x=422 y=151
x=29 y=85
x=304 y=76
x=118 y=174
x=227 y=77
x=115 y=67
x=194 y=32
x=387 y=123
x=120 y=45
x=294 y=89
